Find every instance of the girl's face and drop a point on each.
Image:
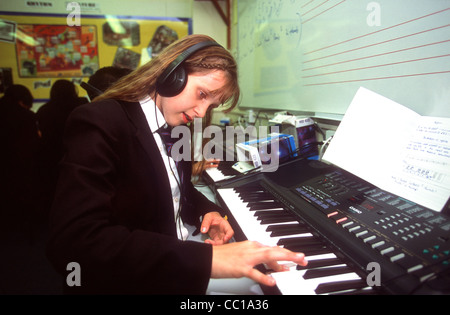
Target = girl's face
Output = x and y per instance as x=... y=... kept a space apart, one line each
x=194 y=100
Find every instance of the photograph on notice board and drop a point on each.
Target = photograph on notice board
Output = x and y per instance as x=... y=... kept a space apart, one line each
x=56 y=50
x=163 y=37
x=121 y=33
x=126 y=58
x=7 y=31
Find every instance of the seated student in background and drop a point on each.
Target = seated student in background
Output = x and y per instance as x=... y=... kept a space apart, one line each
x=19 y=141
x=52 y=117
x=121 y=202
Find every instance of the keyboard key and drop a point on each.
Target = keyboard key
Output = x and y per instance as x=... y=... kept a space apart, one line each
x=326 y=272
x=330 y=287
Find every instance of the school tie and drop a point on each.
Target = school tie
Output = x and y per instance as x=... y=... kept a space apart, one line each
x=165 y=133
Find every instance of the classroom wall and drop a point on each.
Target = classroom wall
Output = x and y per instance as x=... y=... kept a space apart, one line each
x=195 y=17
x=206 y=20
x=203 y=16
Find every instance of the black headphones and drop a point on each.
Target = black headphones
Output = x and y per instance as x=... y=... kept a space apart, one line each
x=92 y=90
x=173 y=80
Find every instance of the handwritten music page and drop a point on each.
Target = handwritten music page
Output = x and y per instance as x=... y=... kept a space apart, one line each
x=395 y=149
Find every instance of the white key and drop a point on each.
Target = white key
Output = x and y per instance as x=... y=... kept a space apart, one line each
x=289 y=282
x=292 y=282
x=247 y=221
x=216 y=175
x=253 y=229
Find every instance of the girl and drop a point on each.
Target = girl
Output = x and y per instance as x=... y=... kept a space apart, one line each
x=121 y=202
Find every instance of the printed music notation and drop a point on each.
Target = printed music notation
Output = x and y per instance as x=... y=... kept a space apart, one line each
x=395 y=149
x=427 y=155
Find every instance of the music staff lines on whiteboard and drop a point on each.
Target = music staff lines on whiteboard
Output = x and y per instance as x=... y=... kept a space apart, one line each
x=375 y=66
x=377 y=55
x=294 y=54
x=307 y=3
x=377 y=31
x=379 y=78
x=379 y=43
x=322 y=12
x=316 y=7
x=367 y=55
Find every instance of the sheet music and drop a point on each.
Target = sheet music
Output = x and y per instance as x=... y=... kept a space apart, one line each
x=395 y=149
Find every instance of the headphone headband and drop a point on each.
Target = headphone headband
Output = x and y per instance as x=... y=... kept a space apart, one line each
x=90 y=88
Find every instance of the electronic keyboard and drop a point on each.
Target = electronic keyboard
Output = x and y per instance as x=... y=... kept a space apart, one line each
x=223 y=172
x=357 y=238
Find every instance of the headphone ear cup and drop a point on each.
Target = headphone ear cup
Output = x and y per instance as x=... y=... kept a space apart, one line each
x=173 y=84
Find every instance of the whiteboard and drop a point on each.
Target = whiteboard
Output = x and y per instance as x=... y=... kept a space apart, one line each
x=313 y=55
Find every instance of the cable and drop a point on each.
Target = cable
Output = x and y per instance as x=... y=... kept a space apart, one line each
x=324 y=147
x=178 y=216
x=316 y=125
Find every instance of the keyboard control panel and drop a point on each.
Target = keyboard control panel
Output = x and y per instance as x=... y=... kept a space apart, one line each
x=409 y=235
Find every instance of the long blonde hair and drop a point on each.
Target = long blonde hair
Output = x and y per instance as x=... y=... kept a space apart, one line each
x=141 y=82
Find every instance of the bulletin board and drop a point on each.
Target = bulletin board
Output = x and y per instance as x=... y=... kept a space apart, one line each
x=46 y=48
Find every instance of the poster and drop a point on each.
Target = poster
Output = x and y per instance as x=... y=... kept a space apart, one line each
x=7 y=31
x=40 y=49
x=56 y=50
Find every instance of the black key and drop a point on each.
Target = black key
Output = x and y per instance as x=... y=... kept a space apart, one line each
x=363 y=291
x=278 y=219
x=336 y=286
x=256 y=195
x=300 y=241
x=309 y=250
x=318 y=263
x=280 y=210
x=243 y=193
x=255 y=198
x=286 y=229
x=312 y=250
x=276 y=216
x=288 y=232
x=279 y=227
x=249 y=188
x=226 y=168
x=264 y=205
x=282 y=217
x=270 y=213
x=272 y=203
x=326 y=272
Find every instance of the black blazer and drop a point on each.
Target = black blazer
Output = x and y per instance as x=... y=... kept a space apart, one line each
x=113 y=212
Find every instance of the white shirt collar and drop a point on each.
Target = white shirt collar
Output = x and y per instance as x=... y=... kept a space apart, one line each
x=154 y=121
